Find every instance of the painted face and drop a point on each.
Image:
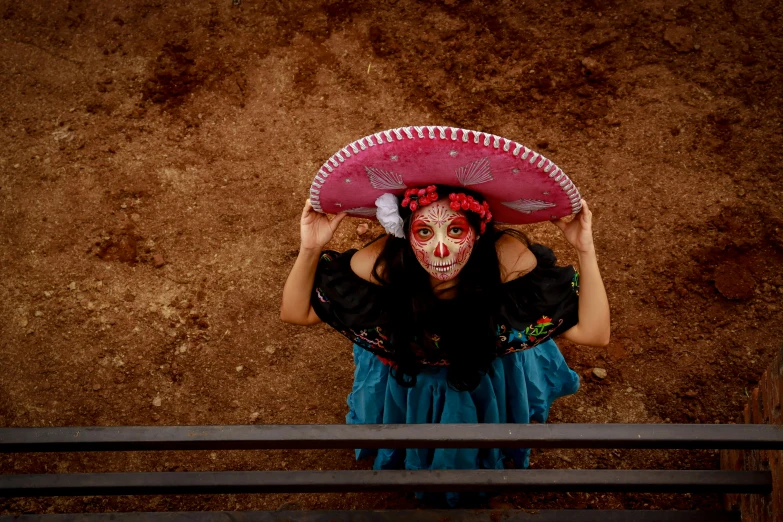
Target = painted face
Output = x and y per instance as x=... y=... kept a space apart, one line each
x=442 y=239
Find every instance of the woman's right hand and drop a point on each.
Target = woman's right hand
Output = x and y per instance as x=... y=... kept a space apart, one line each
x=316 y=229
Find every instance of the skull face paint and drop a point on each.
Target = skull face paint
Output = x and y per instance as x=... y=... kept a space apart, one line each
x=442 y=239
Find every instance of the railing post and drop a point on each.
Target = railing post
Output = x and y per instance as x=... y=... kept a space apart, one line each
x=763 y=407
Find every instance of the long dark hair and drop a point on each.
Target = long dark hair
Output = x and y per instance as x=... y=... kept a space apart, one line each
x=469 y=340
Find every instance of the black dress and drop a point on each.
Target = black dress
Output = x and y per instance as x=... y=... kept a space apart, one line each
x=528 y=373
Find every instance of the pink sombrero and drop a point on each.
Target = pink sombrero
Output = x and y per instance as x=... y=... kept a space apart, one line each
x=521 y=186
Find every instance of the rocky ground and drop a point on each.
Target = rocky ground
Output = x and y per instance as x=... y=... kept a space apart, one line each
x=156 y=156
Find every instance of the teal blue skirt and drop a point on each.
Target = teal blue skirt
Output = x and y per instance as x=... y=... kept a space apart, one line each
x=520 y=388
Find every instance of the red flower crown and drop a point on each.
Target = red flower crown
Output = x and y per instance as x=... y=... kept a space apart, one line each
x=418 y=197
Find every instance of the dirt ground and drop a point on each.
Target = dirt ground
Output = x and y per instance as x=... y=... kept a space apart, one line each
x=156 y=155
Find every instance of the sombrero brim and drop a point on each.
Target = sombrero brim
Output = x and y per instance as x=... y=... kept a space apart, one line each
x=521 y=186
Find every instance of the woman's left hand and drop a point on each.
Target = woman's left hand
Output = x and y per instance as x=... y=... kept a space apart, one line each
x=579 y=231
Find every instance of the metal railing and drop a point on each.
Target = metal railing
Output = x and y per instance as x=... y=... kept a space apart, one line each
x=265 y=437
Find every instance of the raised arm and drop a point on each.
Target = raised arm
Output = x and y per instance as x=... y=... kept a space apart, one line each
x=316 y=230
x=593 y=327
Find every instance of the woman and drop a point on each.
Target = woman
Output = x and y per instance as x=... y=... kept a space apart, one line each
x=452 y=320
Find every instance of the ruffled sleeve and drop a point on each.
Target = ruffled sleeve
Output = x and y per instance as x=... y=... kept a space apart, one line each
x=539 y=305
x=348 y=303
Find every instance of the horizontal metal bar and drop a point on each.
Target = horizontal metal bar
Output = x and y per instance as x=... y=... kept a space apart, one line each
x=143 y=438
x=79 y=484
x=406 y=515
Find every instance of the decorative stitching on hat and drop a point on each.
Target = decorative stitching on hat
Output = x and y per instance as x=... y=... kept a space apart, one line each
x=363 y=211
x=516 y=149
x=383 y=179
x=397 y=133
x=474 y=173
x=528 y=206
x=388 y=136
x=534 y=157
x=408 y=132
x=453 y=134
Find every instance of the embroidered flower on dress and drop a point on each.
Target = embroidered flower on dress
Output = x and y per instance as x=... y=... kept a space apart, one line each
x=542 y=328
x=530 y=337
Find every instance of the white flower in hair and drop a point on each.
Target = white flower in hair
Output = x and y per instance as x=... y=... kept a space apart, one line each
x=388 y=214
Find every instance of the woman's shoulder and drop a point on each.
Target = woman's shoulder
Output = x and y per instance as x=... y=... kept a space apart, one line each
x=516 y=259
x=342 y=299
x=363 y=261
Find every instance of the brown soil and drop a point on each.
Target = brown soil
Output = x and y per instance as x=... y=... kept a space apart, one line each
x=156 y=157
